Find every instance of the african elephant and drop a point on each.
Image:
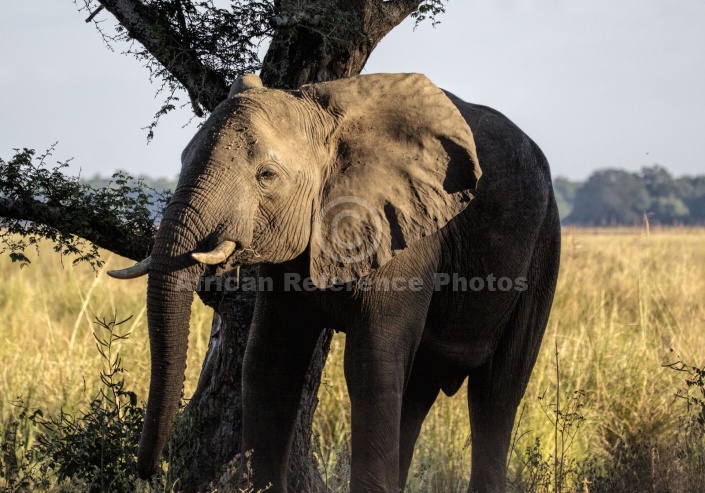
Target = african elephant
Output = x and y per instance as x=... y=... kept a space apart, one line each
x=361 y=190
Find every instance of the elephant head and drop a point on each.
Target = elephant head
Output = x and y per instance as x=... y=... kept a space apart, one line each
x=350 y=172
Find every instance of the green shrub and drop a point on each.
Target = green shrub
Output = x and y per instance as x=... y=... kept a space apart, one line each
x=92 y=450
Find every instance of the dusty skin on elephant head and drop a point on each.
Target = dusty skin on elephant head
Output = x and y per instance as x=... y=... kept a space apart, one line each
x=355 y=182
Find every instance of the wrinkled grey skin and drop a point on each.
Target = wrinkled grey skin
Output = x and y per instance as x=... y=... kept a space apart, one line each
x=365 y=178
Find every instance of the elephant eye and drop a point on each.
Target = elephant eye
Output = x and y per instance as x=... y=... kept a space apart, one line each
x=266 y=175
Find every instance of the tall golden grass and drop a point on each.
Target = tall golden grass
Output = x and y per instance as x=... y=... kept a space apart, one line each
x=628 y=301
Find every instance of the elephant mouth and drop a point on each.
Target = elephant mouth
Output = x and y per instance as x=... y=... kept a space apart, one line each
x=241 y=257
x=245 y=256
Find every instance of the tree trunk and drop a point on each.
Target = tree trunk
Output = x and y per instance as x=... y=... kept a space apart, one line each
x=301 y=52
x=212 y=421
x=329 y=44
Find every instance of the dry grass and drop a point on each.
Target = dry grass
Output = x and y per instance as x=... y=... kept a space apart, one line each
x=48 y=352
x=627 y=303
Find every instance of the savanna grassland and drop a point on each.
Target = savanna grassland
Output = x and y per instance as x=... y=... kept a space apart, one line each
x=628 y=302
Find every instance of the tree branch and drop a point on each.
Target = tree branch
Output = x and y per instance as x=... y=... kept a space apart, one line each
x=393 y=13
x=143 y=23
x=94 y=13
x=289 y=20
x=102 y=233
x=38 y=202
x=397 y=10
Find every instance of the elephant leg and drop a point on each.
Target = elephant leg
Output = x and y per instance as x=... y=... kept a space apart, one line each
x=491 y=422
x=377 y=362
x=278 y=354
x=420 y=394
x=496 y=388
x=494 y=393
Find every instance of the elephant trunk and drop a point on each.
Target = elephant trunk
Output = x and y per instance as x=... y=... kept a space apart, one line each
x=172 y=277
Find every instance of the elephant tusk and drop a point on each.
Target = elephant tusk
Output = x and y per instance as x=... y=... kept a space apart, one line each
x=217 y=255
x=138 y=270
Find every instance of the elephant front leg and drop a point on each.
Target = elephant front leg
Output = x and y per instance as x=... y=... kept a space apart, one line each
x=376 y=367
x=278 y=354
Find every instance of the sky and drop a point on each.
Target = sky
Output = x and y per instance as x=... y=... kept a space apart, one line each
x=606 y=83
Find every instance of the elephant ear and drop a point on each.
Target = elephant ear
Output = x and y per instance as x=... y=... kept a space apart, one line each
x=404 y=162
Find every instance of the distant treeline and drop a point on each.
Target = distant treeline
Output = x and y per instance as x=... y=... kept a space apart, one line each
x=610 y=197
x=158 y=184
x=614 y=197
